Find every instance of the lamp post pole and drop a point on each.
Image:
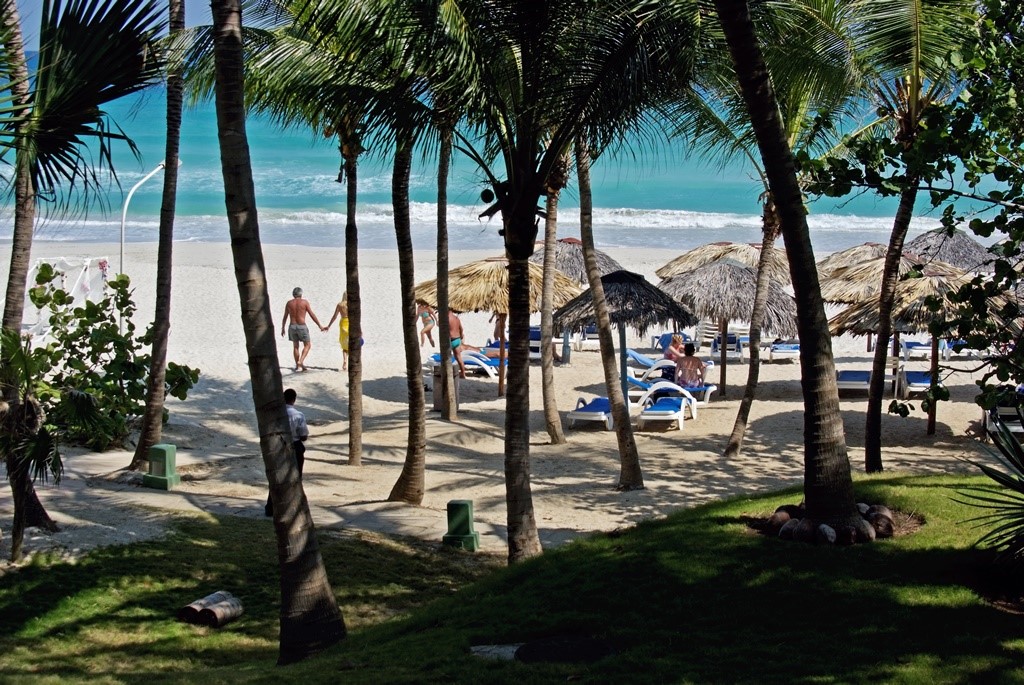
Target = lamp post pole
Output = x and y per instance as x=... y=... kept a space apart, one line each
x=124 y=209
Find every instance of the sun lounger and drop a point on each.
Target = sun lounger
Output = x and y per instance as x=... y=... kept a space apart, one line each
x=476 y=362
x=639 y=388
x=734 y=344
x=1006 y=415
x=652 y=391
x=645 y=367
x=916 y=349
x=912 y=382
x=783 y=350
x=597 y=409
x=851 y=379
x=665 y=401
x=857 y=379
x=662 y=340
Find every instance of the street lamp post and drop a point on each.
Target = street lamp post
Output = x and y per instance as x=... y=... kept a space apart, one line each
x=124 y=210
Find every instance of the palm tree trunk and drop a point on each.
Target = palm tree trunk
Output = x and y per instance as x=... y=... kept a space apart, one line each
x=890 y=274
x=739 y=428
x=552 y=419
x=523 y=538
x=519 y=220
x=310 y=619
x=32 y=511
x=630 y=475
x=828 y=483
x=351 y=147
x=152 y=418
x=410 y=484
x=449 y=404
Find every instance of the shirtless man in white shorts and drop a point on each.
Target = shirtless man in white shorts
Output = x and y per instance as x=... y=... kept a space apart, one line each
x=296 y=310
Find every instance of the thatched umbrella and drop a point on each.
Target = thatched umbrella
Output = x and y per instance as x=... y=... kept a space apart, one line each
x=632 y=301
x=723 y=291
x=569 y=259
x=910 y=312
x=863 y=280
x=483 y=286
x=748 y=254
x=850 y=256
x=958 y=249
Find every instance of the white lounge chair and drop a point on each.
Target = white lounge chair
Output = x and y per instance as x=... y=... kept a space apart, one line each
x=639 y=390
x=660 y=406
x=912 y=382
x=860 y=379
x=915 y=349
x=597 y=409
x=476 y=362
x=784 y=350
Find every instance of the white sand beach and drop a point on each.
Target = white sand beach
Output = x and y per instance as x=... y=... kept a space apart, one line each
x=573 y=484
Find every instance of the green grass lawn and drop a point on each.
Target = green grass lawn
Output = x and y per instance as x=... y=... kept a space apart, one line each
x=697 y=597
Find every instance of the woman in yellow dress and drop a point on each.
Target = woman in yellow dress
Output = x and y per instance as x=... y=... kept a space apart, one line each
x=342 y=310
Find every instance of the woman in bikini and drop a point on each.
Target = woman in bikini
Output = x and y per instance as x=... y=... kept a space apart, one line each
x=429 y=319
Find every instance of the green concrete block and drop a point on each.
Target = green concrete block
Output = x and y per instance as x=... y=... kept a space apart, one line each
x=460 y=526
x=163 y=470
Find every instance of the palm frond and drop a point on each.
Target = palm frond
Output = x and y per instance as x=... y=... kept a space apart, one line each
x=90 y=53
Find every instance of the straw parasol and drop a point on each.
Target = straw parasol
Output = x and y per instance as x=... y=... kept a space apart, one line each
x=723 y=291
x=569 y=259
x=863 y=280
x=748 y=254
x=958 y=249
x=910 y=312
x=850 y=256
x=632 y=301
x=482 y=286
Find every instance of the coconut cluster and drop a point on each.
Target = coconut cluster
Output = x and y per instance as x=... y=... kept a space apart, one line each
x=790 y=522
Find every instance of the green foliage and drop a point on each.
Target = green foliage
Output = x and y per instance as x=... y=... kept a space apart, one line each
x=1005 y=506
x=28 y=442
x=986 y=147
x=96 y=357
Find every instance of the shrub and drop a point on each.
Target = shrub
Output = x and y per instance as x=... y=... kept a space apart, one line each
x=94 y=352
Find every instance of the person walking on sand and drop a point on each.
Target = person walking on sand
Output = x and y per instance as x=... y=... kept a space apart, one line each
x=429 y=318
x=457 y=334
x=342 y=310
x=299 y=432
x=295 y=311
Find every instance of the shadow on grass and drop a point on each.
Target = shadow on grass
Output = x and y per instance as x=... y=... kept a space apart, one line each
x=696 y=597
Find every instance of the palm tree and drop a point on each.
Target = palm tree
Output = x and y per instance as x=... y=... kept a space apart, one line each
x=410 y=484
x=906 y=44
x=630 y=474
x=828 y=484
x=446 y=121
x=534 y=76
x=815 y=77
x=152 y=418
x=301 y=74
x=310 y=619
x=350 y=136
x=556 y=181
x=89 y=54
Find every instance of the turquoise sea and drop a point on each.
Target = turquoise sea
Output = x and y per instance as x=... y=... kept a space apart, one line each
x=643 y=197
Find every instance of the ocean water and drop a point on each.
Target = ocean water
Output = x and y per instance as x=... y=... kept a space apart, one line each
x=643 y=197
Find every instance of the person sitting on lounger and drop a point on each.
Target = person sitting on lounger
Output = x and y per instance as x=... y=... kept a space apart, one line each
x=674 y=351
x=689 y=369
